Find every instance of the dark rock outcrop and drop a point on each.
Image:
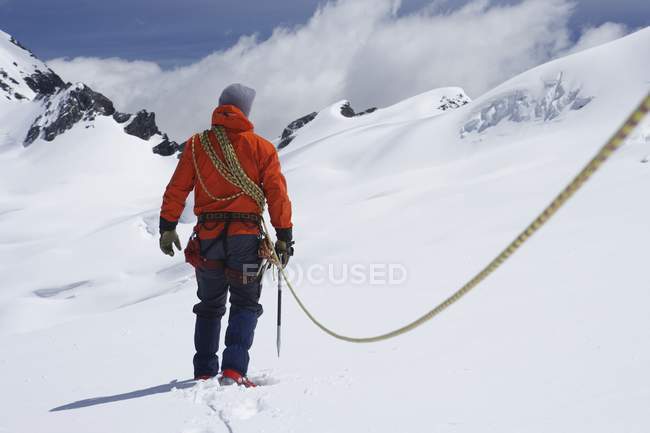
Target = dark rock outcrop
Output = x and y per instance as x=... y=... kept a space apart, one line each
x=65 y=109
x=453 y=103
x=143 y=125
x=32 y=134
x=121 y=117
x=45 y=83
x=42 y=83
x=289 y=132
x=348 y=111
x=166 y=147
x=4 y=86
x=14 y=41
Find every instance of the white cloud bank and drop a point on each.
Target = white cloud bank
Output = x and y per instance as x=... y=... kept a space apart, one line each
x=594 y=36
x=360 y=50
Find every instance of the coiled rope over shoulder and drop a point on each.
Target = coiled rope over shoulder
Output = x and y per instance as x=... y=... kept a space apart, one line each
x=614 y=143
x=231 y=170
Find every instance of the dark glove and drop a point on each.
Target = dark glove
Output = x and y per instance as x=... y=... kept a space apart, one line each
x=284 y=245
x=167 y=240
x=284 y=250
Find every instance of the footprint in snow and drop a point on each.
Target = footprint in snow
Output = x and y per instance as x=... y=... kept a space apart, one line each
x=230 y=403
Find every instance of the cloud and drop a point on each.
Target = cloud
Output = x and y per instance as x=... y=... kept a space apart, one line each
x=475 y=47
x=362 y=50
x=594 y=36
x=121 y=80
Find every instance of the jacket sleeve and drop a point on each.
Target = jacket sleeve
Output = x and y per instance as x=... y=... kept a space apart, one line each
x=274 y=186
x=180 y=185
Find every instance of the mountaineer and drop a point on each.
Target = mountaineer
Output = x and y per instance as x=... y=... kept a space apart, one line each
x=227 y=246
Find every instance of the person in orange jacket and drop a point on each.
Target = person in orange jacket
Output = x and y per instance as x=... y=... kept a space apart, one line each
x=228 y=231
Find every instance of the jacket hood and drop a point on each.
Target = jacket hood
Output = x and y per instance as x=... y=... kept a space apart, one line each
x=231 y=117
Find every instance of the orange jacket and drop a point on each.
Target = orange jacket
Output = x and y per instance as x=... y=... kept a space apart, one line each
x=259 y=159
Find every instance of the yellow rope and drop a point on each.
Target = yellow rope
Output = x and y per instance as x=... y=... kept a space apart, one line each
x=240 y=178
x=231 y=170
x=205 y=188
x=597 y=161
x=233 y=173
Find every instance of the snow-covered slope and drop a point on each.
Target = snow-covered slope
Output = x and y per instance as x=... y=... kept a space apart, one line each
x=96 y=324
x=340 y=117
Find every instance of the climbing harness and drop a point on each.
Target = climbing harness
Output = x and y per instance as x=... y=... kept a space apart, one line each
x=197 y=257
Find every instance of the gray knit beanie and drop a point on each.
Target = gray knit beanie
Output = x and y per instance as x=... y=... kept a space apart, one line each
x=238 y=95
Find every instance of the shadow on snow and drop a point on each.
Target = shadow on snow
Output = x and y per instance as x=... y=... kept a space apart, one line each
x=160 y=389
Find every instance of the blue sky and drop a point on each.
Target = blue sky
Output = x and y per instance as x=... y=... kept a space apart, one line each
x=172 y=32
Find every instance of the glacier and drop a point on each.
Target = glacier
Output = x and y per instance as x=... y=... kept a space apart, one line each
x=96 y=325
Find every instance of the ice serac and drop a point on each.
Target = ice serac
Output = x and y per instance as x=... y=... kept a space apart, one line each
x=523 y=105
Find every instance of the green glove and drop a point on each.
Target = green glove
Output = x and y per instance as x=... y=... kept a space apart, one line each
x=167 y=239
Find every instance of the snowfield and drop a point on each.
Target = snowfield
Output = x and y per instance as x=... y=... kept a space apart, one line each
x=96 y=324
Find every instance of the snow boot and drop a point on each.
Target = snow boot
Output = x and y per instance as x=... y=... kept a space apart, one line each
x=203 y=377
x=232 y=377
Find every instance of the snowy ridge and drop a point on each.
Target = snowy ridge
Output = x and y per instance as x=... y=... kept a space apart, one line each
x=554 y=341
x=22 y=75
x=52 y=107
x=331 y=120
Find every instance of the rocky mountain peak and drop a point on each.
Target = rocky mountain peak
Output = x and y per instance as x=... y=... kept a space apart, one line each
x=23 y=77
x=65 y=109
x=143 y=125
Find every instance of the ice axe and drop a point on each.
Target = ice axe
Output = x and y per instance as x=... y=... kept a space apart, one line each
x=277 y=341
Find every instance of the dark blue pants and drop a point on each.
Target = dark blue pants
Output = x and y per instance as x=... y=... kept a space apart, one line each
x=239 y=253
